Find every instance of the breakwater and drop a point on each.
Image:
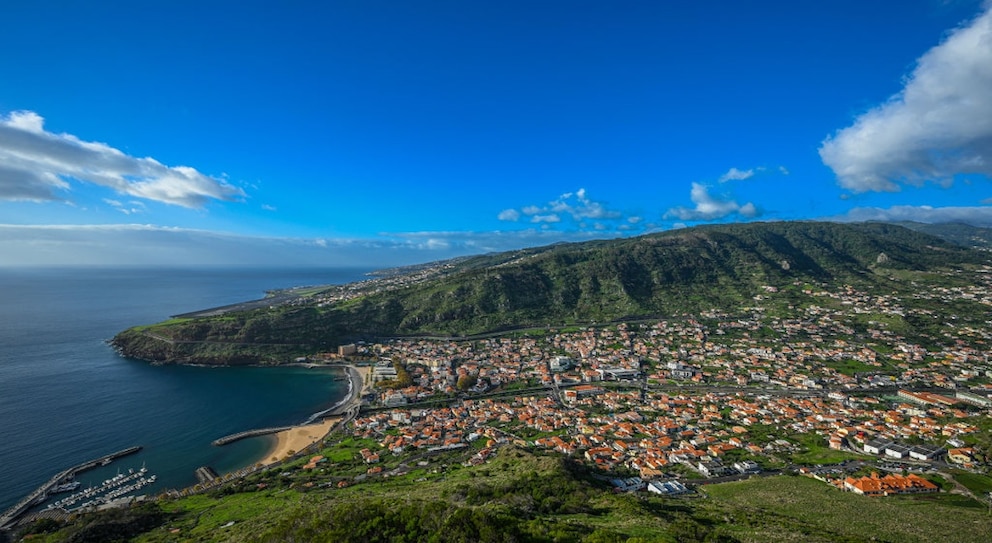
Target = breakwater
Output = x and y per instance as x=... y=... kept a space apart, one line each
x=15 y=512
x=248 y=433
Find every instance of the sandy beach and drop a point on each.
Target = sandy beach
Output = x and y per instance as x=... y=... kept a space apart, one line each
x=297 y=438
x=289 y=442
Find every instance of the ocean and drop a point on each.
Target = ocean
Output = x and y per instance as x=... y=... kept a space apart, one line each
x=66 y=397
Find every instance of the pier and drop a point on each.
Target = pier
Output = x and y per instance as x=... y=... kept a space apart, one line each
x=249 y=433
x=12 y=514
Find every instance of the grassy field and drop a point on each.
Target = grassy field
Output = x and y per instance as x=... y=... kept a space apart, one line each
x=817 y=452
x=981 y=485
x=782 y=508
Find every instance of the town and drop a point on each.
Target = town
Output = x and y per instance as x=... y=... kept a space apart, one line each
x=832 y=390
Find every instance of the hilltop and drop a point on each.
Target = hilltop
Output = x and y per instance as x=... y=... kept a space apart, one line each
x=665 y=274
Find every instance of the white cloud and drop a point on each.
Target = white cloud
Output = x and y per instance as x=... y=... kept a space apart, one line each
x=575 y=206
x=132 y=206
x=38 y=165
x=974 y=215
x=579 y=206
x=939 y=125
x=733 y=174
x=511 y=215
x=268 y=207
x=709 y=207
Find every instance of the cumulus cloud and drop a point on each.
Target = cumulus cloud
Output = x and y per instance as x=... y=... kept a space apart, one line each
x=511 y=215
x=974 y=215
x=38 y=165
x=939 y=125
x=579 y=206
x=710 y=207
x=576 y=207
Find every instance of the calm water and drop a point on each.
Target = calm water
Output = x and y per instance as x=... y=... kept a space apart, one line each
x=66 y=397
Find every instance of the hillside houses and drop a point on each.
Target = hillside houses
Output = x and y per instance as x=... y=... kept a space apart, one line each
x=696 y=392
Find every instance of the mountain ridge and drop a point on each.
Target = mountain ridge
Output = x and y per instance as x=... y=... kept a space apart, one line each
x=669 y=273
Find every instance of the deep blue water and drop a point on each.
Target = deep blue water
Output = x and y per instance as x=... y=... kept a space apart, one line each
x=66 y=397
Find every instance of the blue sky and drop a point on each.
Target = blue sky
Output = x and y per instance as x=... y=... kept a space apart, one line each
x=378 y=133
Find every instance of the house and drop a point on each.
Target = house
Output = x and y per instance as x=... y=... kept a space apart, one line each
x=747 y=466
x=581 y=391
x=712 y=468
x=668 y=488
x=630 y=484
x=964 y=455
x=890 y=484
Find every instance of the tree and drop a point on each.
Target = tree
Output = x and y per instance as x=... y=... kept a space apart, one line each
x=466 y=381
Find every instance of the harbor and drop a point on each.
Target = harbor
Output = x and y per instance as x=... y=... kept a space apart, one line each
x=115 y=487
x=60 y=480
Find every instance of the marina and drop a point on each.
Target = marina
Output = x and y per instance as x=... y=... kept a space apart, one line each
x=115 y=487
x=63 y=479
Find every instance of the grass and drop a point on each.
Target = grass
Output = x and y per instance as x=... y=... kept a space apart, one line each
x=981 y=485
x=850 y=367
x=779 y=508
x=817 y=453
x=209 y=517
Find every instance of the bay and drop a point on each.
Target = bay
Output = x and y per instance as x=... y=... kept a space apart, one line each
x=66 y=397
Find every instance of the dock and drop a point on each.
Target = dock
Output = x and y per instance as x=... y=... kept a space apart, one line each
x=15 y=512
x=249 y=433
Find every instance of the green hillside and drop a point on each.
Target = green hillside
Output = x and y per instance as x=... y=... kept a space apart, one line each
x=671 y=273
x=522 y=496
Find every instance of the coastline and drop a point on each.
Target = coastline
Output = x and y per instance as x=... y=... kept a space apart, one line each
x=290 y=442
